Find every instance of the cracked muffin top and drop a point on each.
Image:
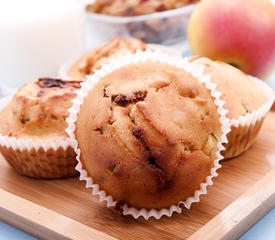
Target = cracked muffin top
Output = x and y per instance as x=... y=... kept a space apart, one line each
x=148 y=134
x=93 y=59
x=241 y=94
x=135 y=7
x=38 y=110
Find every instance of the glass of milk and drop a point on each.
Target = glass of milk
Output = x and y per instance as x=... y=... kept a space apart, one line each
x=37 y=36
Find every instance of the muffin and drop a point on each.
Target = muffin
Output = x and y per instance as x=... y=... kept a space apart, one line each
x=244 y=97
x=153 y=137
x=93 y=59
x=32 y=129
x=135 y=8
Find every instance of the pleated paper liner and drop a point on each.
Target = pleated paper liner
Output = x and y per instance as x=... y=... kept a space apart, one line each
x=245 y=129
x=115 y=64
x=45 y=159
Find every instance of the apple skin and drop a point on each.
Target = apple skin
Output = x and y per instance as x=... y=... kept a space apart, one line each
x=239 y=32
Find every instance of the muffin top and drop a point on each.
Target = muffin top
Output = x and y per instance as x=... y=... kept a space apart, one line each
x=135 y=7
x=96 y=57
x=38 y=110
x=241 y=94
x=150 y=140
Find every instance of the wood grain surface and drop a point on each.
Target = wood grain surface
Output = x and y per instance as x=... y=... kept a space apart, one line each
x=247 y=175
x=242 y=213
x=43 y=223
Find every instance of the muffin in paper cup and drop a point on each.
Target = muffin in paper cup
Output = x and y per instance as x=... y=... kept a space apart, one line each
x=92 y=60
x=245 y=129
x=142 y=164
x=248 y=100
x=32 y=130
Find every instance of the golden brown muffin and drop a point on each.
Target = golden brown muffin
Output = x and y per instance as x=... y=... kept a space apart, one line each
x=93 y=59
x=38 y=112
x=242 y=97
x=151 y=138
x=135 y=7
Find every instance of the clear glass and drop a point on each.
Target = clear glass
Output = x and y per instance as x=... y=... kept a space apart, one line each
x=36 y=37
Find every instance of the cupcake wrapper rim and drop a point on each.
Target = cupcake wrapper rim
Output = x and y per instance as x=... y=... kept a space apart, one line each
x=115 y=64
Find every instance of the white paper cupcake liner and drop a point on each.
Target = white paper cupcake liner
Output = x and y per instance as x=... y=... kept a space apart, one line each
x=115 y=64
x=28 y=144
x=39 y=159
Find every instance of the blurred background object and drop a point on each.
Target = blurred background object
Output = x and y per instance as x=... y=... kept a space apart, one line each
x=241 y=33
x=271 y=81
x=162 y=22
x=36 y=37
x=39 y=36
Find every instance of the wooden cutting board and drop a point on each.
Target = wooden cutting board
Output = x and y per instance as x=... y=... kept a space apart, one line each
x=64 y=209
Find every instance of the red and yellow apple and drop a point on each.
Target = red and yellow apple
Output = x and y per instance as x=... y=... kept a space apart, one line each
x=239 y=32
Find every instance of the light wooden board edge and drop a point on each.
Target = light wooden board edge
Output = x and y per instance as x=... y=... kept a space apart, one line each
x=231 y=223
x=242 y=214
x=42 y=222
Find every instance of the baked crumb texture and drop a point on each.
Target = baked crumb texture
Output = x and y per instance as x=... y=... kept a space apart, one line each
x=135 y=7
x=93 y=59
x=39 y=109
x=148 y=135
x=240 y=93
